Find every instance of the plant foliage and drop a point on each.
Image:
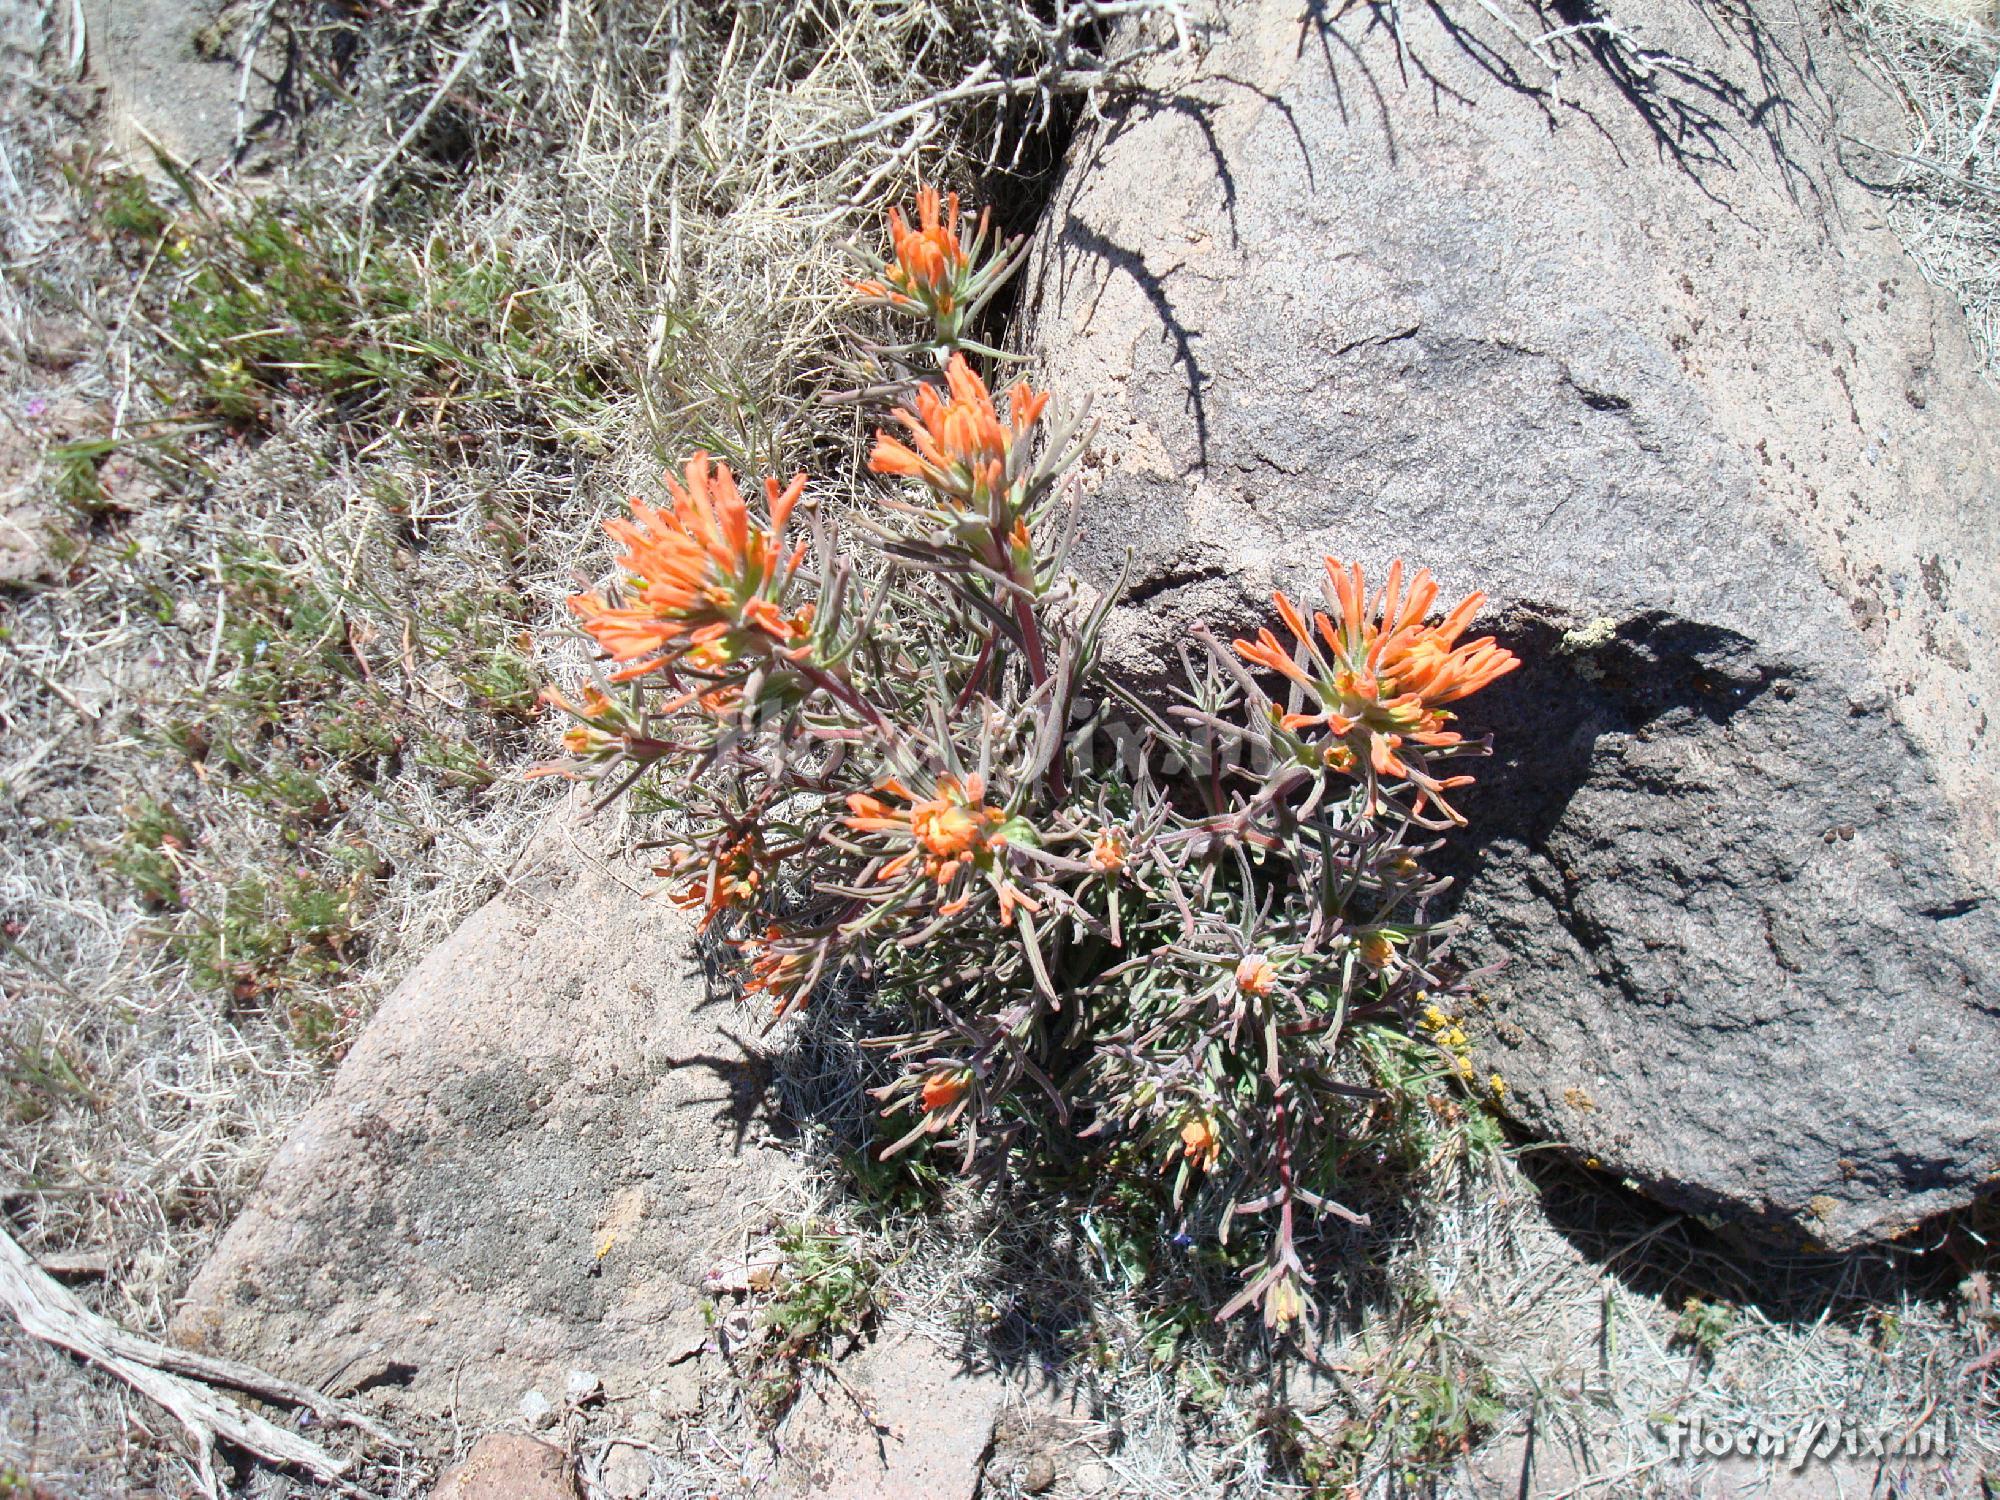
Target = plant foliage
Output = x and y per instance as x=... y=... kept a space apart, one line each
x=895 y=750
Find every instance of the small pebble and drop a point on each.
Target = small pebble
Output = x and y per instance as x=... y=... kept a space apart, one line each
x=537 y=1411
x=583 y=1387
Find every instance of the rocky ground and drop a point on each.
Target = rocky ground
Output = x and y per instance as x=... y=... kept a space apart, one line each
x=330 y=1043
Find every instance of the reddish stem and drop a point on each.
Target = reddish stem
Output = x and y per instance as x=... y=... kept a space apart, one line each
x=1031 y=637
x=819 y=677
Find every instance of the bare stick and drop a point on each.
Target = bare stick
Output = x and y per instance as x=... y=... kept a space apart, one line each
x=485 y=29
x=1985 y=119
x=246 y=65
x=173 y=1377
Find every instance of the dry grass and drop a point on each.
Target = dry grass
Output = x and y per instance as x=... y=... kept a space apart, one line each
x=667 y=188
x=314 y=491
x=1944 y=59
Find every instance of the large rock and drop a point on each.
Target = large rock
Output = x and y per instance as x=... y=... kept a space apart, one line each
x=1628 y=348
x=545 y=1151
x=538 y=1148
x=904 y=1422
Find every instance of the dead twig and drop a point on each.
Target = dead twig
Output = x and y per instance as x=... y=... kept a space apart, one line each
x=178 y=1379
x=487 y=26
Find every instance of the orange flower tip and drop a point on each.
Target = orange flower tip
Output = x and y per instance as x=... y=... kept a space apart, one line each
x=942 y=1090
x=1109 y=851
x=1377 y=951
x=1200 y=1143
x=1255 y=975
x=891 y=457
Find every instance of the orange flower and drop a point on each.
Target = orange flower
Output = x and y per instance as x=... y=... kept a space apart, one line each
x=713 y=659
x=783 y=966
x=1380 y=676
x=700 y=575
x=963 y=450
x=727 y=877
x=944 y=1089
x=1378 y=950
x=599 y=729
x=948 y=833
x=1255 y=975
x=932 y=273
x=926 y=265
x=1285 y=1302
x=1109 y=851
x=1200 y=1143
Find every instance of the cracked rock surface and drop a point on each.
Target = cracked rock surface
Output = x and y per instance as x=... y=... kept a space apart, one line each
x=1631 y=347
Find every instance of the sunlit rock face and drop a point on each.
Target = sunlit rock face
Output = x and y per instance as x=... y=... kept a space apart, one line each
x=1631 y=347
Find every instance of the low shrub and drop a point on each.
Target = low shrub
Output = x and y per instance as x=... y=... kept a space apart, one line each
x=892 y=747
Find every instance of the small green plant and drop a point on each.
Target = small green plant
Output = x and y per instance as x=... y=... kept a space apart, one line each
x=150 y=858
x=902 y=1184
x=1428 y=1400
x=356 y=730
x=823 y=1291
x=73 y=479
x=457 y=763
x=123 y=206
x=504 y=682
x=292 y=794
x=282 y=301
x=40 y=1075
x=270 y=935
x=1703 y=1326
x=1423 y=1121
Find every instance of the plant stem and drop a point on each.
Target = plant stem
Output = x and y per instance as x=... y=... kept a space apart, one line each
x=1031 y=637
x=819 y=677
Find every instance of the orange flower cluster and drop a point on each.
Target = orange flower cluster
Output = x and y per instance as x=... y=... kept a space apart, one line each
x=598 y=731
x=928 y=266
x=948 y=833
x=727 y=878
x=588 y=736
x=782 y=965
x=1378 y=950
x=1256 y=975
x=1379 y=675
x=700 y=575
x=945 y=1088
x=1109 y=851
x=963 y=450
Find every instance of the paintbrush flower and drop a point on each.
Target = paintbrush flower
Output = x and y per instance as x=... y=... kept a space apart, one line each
x=959 y=445
x=944 y=835
x=727 y=874
x=700 y=574
x=1201 y=1142
x=1378 y=677
x=931 y=272
x=783 y=965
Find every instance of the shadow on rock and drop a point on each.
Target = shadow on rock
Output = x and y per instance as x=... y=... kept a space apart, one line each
x=1668 y=1256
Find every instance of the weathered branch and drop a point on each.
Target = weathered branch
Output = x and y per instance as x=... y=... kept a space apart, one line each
x=180 y=1380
